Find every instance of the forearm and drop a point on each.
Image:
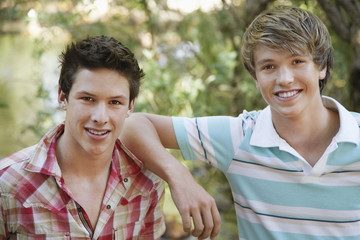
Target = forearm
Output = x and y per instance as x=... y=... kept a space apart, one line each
x=147 y=136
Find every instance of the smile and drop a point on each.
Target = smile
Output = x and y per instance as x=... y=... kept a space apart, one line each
x=287 y=94
x=98 y=132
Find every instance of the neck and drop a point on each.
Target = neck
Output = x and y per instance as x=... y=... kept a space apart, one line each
x=306 y=127
x=74 y=161
x=311 y=134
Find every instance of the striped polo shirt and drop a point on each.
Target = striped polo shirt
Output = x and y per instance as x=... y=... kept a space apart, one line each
x=277 y=194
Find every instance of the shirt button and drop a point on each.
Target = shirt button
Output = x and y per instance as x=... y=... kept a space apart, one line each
x=108 y=206
x=126 y=180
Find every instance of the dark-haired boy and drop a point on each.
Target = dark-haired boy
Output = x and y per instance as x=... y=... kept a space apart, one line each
x=80 y=181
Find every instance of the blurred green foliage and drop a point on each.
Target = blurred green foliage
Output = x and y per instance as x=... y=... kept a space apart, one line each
x=191 y=61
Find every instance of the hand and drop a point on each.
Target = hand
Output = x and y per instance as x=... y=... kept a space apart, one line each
x=193 y=201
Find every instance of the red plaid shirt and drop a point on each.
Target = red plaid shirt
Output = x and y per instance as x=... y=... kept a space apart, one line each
x=36 y=204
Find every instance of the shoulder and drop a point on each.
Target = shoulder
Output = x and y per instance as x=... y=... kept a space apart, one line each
x=248 y=120
x=250 y=116
x=344 y=113
x=12 y=168
x=157 y=184
x=146 y=184
x=217 y=121
x=130 y=166
x=356 y=115
x=17 y=158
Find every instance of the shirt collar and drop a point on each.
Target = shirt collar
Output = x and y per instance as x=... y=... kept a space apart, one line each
x=130 y=165
x=349 y=128
x=265 y=135
x=44 y=159
x=124 y=166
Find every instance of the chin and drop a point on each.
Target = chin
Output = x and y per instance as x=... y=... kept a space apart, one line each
x=95 y=151
x=287 y=113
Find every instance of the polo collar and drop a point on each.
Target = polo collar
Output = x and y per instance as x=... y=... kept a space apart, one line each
x=265 y=135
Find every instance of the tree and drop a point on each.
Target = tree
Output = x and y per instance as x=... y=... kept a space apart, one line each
x=344 y=16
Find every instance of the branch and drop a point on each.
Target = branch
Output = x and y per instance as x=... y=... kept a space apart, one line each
x=352 y=8
x=254 y=7
x=336 y=19
x=232 y=11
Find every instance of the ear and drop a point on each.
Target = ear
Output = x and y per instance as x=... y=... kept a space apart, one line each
x=322 y=74
x=62 y=99
x=131 y=108
x=131 y=105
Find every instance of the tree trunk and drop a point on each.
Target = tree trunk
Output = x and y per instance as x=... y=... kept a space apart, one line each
x=344 y=16
x=242 y=15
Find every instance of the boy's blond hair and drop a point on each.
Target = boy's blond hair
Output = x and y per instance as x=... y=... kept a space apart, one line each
x=292 y=29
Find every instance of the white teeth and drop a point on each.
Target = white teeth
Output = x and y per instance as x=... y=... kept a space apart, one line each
x=287 y=94
x=97 y=133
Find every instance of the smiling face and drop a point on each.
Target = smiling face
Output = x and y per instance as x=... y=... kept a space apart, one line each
x=288 y=82
x=96 y=108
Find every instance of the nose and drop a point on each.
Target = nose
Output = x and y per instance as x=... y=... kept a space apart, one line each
x=100 y=114
x=285 y=75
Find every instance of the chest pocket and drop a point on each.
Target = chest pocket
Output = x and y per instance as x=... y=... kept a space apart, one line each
x=50 y=236
x=128 y=232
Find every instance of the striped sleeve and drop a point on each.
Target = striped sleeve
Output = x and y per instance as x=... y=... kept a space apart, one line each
x=210 y=139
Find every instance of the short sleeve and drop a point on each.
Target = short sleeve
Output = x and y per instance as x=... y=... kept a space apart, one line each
x=210 y=139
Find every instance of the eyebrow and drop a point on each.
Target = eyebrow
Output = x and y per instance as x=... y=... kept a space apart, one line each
x=262 y=61
x=93 y=95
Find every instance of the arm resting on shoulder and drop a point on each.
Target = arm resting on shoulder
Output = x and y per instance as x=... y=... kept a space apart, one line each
x=148 y=136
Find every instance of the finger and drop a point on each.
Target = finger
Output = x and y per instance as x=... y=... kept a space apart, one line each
x=198 y=224
x=208 y=223
x=216 y=220
x=186 y=220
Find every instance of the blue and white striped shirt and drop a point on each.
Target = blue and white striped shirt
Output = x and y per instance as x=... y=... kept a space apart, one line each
x=277 y=194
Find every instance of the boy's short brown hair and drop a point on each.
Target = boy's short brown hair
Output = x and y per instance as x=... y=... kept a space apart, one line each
x=99 y=52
